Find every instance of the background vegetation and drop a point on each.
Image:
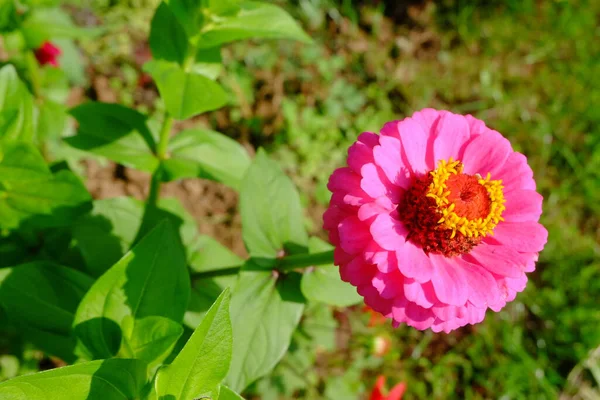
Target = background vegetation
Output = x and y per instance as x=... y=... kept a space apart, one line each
x=528 y=68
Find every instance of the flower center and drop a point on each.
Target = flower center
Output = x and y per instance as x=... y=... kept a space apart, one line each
x=449 y=212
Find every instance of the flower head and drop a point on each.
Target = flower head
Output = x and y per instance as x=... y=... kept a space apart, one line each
x=47 y=53
x=395 y=393
x=435 y=220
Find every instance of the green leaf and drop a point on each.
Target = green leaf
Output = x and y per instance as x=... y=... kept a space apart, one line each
x=206 y=254
x=47 y=23
x=199 y=368
x=185 y=94
x=41 y=298
x=117 y=379
x=9 y=19
x=223 y=7
x=228 y=394
x=208 y=62
x=52 y=121
x=323 y=283
x=153 y=339
x=110 y=229
x=31 y=195
x=116 y=132
x=200 y=153
x=150 y=280
x=168 y=40
x=254 y=20
x=272 y=217
x=189 y=14
x=265 y=311
x=17 y=110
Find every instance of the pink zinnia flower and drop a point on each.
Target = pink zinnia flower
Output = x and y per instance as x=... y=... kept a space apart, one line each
x=47 y=53
x=395 y=394
x=435 y=220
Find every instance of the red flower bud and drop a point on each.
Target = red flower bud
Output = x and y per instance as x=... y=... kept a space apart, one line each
x=47 y=53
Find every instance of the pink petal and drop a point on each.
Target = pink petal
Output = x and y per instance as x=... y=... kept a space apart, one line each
x=372 y=183
x=415 y=143
x=523 y=205
x=357 y=272
x=388 y=232
x=500 y=260
x=445 y=312
x=354 y=235
x=389 y=285
x=521 y=236
x=452 y=134
x=374 y=300
x=388 y=156
x=476 y=126
x=345 y=185
x=333 y=216
x=516 y=173
x=483 y=287
x=486 y=153
x=428 y=118
x=414 y=263
x=418 y=317
x=390 y=129
x=381 y=205
x=449 y=281
x=422 y=294
x=361 y=152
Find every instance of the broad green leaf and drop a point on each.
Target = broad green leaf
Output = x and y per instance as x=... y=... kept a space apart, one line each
x=189 y=14
x=9 y=19
x=223 y=7
x=41 y=299
x=254 y=20
x=265 y=310
x=153 y=339
x=107 y=232
x=323 y=283
x=168 y=40
x=116 y=132
x=71 y=61
x=110 y=229
x=52 y=121
x=17 y=110
x=117 y=379
x=272 y=217
x=208 y=62
x=48 y=23
x=150 y=280
x=228 y=394
x=206 y=254
x=200 y=153
x=31 y=195
x=199 y=368
x=185 y=94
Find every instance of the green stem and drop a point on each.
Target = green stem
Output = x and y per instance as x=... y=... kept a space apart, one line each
x=289 y=263
x=163 y=140
x=161 y=153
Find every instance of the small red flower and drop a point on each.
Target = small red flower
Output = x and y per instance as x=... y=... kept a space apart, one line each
x=395 y=394
x=47 y=53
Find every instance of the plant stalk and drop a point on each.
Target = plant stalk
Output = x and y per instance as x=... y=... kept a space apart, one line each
x=284 y=264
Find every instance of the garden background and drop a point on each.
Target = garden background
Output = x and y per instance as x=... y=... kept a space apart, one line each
x=529 y=69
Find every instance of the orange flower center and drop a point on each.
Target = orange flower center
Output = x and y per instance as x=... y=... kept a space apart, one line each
x=449 y=212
